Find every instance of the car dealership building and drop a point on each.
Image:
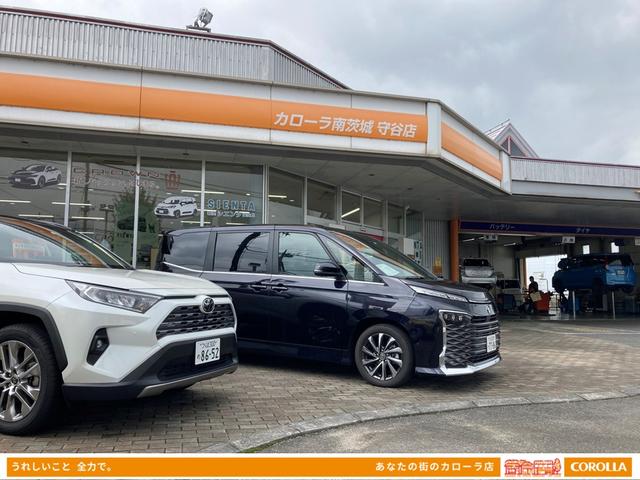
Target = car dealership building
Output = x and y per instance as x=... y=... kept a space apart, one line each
x=122 y=131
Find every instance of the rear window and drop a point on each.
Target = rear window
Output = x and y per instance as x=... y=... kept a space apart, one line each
x=242 y=252
x=186 y=249
x=476 y=262
x=621 y=261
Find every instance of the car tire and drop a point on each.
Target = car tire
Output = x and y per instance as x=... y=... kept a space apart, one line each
x=58 y=179
x=41 y=182
x=39 y=387
x=383 y=355
x=176 y=214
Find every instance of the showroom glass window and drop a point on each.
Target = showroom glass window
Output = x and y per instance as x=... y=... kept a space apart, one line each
x=321 y=200
x=169 y=200
x=372 y=212
x=285 y=198
x=33 y=184
x=351 y=207
x=396 y=219
x=233 y=194
x=102 y=200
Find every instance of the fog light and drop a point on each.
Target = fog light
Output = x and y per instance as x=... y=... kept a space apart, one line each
x=98 y=346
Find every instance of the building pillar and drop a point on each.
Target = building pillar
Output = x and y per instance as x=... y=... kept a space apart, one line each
x=454 y=252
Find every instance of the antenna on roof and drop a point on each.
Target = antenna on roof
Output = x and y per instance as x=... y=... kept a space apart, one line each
x=202 y=20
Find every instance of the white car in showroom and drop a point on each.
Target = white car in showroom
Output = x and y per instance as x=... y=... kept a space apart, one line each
x=36 y=176
x=78 y=322
x=177 y=207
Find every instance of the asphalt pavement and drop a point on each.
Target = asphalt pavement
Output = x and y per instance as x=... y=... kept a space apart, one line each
x=574 y=427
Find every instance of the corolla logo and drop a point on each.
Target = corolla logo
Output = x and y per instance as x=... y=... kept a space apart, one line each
x=208 y=305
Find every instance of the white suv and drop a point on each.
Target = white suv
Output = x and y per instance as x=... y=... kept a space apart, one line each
x=79 y=322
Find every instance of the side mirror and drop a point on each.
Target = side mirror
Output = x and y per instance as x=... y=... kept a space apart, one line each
x=328 y=269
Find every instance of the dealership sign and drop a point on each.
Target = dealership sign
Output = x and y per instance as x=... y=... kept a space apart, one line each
x=538 y=229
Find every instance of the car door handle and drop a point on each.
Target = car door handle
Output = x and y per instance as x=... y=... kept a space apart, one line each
x=279 y=288
x=258 y=286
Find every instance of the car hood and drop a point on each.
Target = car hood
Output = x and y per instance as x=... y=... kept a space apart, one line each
x=473 y=294
x=148 y=281
x=24 y=173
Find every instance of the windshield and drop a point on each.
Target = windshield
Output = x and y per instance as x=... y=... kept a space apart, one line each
x=26 y=242
x=35 y=168
x=476 y=262
x=387 y=259
x=172 y=201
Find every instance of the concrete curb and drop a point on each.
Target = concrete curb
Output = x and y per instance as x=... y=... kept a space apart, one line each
x=256 y=441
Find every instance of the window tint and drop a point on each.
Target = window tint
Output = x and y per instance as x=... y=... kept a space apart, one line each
x=476 y=262
x=356 y=270
x=186 y=249
x=299 y=253
x=242 y=252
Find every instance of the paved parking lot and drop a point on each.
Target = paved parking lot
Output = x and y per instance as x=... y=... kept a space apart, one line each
x=543 y=357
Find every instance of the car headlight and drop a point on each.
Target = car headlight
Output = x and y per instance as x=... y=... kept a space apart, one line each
x=438 y=294
x=454 y=317
x=135 y=302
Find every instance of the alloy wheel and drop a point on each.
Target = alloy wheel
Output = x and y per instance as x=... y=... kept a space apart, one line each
x=381 y=356
x=20 y=380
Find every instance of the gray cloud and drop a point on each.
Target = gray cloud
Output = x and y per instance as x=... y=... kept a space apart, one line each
x=566 y=72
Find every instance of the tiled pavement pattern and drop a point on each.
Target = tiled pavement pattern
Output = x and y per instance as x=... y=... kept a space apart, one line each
x=538 y=358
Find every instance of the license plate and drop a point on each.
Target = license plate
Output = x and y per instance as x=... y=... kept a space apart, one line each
x=18 y=180
x=207 y=351
x=492 y=343
x=620 y=272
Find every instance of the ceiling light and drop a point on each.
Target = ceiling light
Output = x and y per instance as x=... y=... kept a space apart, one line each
x=88 y=218
x=190 y=222
x=510 y=244
x=15 y=201
x=277 y=196
x=28 y=215
x=72 y=204
x=236 y=223
x=468 y=240
x=355 y=210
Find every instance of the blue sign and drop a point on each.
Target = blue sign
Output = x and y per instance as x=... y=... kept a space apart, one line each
x=532 y=228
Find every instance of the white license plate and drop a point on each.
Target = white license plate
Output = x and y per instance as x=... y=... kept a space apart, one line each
x=18 y=180
x=492 y=343
x=207 y=351
x=620 y=272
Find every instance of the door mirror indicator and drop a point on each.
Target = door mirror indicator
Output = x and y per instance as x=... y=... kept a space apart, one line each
x=328 y=269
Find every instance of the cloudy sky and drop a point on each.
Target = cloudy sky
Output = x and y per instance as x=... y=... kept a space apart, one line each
x=566 y=72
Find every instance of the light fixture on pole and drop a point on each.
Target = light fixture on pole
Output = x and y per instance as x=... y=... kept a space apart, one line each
x=202 y=20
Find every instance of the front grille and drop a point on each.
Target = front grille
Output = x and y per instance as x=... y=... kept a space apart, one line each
x=189 y=318
x=467 y=342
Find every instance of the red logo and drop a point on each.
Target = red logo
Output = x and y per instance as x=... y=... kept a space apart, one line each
x=535 y=468
x=172 y=180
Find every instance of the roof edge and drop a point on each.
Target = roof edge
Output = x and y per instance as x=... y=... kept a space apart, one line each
x=173 y=31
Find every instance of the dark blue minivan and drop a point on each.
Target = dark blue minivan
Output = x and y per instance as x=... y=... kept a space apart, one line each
x=332 y=295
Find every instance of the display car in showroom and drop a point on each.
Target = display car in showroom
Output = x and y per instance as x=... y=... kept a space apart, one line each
x=36 y=176
x=177 y=207
x=331 y=295
x=78 y=322
x=477 y=271
x=597 y=272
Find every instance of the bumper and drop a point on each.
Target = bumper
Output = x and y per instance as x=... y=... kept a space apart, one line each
x=452 y=372
x=170 y=368
x=479 y=280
